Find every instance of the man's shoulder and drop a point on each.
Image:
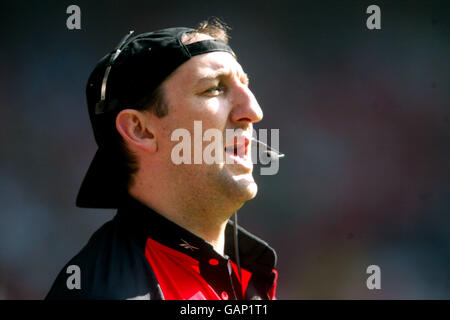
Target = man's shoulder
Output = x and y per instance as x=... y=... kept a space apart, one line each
x=110 y=266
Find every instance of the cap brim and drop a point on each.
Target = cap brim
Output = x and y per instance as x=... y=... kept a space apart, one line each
x=101 y=187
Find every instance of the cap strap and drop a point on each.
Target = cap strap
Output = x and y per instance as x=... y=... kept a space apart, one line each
x=206 y=46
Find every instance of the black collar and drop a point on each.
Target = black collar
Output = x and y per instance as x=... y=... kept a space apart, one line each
x=140 y=220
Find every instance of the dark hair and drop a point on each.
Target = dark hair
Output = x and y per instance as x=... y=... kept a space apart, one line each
x=156 y=103
x=213 y=27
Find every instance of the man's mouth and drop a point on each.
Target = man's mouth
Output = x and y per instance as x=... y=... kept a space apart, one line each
x=239 y=148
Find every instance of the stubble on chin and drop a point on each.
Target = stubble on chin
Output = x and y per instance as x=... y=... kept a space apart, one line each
x=241 y=188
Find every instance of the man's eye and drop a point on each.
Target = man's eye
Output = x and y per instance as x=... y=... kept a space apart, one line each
x=214 y=91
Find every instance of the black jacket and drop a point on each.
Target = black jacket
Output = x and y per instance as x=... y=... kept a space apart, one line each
x=113 y=264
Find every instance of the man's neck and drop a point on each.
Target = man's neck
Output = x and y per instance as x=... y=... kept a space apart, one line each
x=203 y=224
x=213 y=234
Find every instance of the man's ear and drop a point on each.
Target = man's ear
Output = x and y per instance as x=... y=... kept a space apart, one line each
x=135 y=128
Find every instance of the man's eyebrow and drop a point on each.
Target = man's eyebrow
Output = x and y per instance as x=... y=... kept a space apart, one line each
x=217 y=76
x=245 y=79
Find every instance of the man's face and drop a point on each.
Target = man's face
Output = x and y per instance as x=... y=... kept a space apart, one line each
x=211 y=88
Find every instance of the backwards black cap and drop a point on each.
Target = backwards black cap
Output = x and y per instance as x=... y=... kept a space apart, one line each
x=121 y=79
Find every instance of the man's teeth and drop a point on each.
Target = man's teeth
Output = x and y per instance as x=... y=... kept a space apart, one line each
x=236 y=150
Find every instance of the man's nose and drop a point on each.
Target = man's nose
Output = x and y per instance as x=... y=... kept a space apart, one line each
x=245 y=106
